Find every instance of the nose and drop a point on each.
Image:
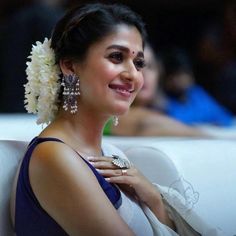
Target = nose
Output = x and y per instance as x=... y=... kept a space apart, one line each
x=130 y=73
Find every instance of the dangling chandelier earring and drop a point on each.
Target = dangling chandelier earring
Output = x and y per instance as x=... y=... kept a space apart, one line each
x=115 y=120
x=70 y=92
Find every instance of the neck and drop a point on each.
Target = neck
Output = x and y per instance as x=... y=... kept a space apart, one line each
x=82 y=130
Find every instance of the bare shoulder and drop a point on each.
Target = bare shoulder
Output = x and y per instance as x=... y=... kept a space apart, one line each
x=65 y=187
x=55 y=165
x=50 y=155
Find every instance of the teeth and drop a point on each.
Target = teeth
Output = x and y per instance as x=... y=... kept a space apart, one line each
x=122 y=90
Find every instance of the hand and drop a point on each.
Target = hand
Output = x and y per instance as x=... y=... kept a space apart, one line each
x=129 y=180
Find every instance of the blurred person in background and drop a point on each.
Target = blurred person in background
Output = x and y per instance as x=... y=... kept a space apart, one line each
x=144 y=117
x=185 y=100
x=217 y=57
x=25 y=23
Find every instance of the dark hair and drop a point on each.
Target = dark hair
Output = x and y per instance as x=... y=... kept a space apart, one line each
x=84 y=25
x=175 y=61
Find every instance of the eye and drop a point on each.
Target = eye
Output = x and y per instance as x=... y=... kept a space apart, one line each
x=139 y=63
x=116 y=57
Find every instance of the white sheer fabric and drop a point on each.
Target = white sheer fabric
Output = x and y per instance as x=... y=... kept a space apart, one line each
x=144 y=223
x=134 y=216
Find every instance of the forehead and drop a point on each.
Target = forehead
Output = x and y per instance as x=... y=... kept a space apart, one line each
x=127 y=36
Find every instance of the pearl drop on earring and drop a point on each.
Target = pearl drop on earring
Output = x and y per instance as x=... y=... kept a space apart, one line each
x=115 y=120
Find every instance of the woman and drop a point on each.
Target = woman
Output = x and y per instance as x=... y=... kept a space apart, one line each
x=143 y=118
x=66 y=181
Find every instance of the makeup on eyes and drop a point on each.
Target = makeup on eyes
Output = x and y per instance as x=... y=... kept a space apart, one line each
x=140 y=64
x=121 y=53
x=116 y=56
x=125 y=50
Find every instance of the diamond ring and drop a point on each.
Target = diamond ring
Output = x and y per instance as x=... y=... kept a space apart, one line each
x=120 y=162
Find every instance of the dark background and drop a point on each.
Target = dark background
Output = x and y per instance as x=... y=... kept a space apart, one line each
x=170 y=23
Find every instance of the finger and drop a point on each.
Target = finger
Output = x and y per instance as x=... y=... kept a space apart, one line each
x=124 y=172
x=132 y=171
x=122 y=179
x=102 y=162
x=99 y=158
x=128 y=189
x=110 y=173
x=103 y=165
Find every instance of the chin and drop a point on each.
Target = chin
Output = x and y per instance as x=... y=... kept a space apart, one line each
x=121 y=110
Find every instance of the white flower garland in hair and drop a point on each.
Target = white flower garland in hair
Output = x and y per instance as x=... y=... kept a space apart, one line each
x=42 y=88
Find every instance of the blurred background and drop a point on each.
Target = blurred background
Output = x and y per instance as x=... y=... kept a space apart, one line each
x=205 y=30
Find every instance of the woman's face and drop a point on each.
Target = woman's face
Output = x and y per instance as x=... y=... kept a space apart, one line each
x=111 y=75
x=151 y=76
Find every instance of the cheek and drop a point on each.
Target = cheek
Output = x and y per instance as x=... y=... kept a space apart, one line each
x=107 y=71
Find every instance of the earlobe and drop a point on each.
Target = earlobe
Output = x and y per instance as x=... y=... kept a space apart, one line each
x=66 y=66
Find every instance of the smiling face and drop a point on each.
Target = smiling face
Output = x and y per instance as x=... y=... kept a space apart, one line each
x=111 y=75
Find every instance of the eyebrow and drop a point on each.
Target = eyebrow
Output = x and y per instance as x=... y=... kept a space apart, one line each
x=124 y=49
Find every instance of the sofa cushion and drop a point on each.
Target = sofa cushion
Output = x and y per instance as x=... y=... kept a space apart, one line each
x=155 y=165
x=11 y=153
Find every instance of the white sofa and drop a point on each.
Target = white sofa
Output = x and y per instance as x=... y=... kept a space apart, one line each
x=24 y=127
x=208 y=169
x=11 y=153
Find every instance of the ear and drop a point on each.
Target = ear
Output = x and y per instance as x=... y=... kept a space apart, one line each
x=67 y=66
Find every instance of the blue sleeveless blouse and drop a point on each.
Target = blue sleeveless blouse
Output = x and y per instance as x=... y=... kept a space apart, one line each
x=30 y=218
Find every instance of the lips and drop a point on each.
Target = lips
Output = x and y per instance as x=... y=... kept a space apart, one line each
x=122 y=89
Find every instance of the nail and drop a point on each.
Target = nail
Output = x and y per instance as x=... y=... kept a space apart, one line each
x=90 y=158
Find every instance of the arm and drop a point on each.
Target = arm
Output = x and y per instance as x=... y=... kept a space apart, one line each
x=143 y=122
x=68 y=190
x=136 y=185
x=162 y=125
